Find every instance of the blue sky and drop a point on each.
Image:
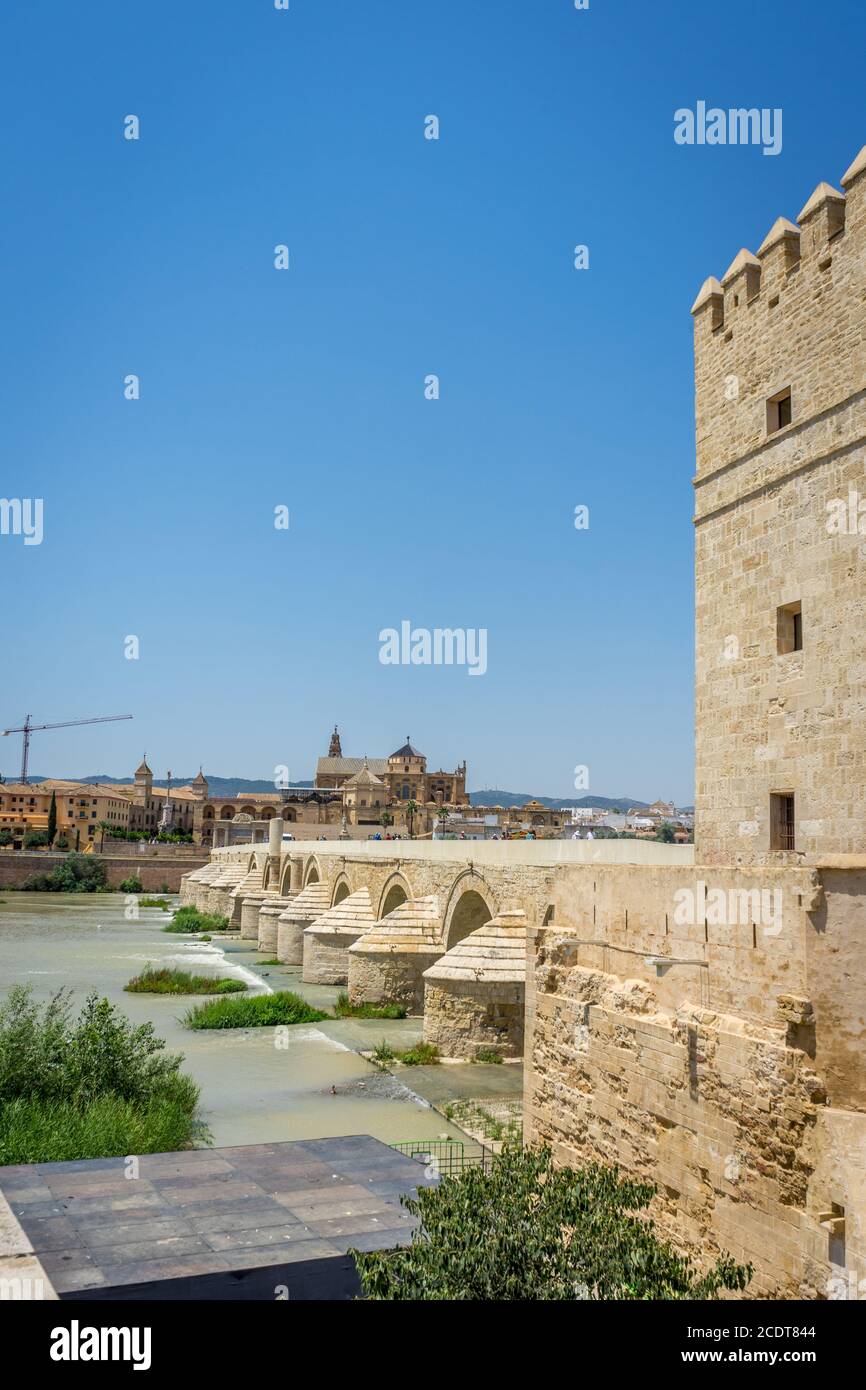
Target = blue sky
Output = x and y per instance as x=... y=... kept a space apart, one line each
x=306 y=387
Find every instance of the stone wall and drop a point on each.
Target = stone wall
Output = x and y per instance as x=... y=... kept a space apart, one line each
x=17 y=866
x=717 y=1059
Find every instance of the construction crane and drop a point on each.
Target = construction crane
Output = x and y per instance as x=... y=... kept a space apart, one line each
x=27 y=728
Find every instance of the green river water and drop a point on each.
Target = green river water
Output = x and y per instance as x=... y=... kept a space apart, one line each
x=251 y=1091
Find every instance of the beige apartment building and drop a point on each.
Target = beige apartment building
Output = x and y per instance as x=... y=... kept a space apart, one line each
x=81 y=807
x=84 y=807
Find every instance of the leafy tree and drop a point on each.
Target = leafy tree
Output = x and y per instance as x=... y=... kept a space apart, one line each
x=528 y=1230
x=666 y=833
x=386 y=819
x=133 y=884
x=36 y=839
x=6 y=838
x=52 y=819
x=77 y=874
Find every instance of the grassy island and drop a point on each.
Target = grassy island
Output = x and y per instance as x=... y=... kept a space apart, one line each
x=167 y=981
x=189 y=920
x=259 y=1011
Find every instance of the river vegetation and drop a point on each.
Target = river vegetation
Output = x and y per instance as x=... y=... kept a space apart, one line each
x=258 y=1011
x=165 y=981
x=527 y=1230
x=421 y=1054
x=189 y=920
x=77 y=874
x=95 y=1086
x=344 y=1009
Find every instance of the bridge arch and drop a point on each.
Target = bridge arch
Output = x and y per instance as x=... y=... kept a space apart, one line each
x=286 y=876
x=471 y=903
x=342 y=889
x=395 y=891
x=311 y=871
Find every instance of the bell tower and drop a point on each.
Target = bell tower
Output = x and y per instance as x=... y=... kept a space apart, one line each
x=335 y=749
x=143 y=782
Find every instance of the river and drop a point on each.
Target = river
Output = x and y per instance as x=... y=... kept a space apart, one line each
x=251 y=1090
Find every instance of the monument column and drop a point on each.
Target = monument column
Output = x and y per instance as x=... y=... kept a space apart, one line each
x=275 y=847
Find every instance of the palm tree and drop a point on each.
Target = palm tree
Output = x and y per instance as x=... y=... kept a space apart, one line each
x=442 y=817
x=411 y=808
x=102 y=826
x=386 y=819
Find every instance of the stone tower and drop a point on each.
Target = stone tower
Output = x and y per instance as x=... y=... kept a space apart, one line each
x=335 y=749
x=780 y=515
x=143 y=783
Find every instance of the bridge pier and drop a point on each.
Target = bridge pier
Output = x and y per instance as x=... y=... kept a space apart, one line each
x=387 y=964
x=293 y=921
x=328 y=938
x=474 y=995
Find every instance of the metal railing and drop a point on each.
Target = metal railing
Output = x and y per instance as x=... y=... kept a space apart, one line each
x=446 y=1158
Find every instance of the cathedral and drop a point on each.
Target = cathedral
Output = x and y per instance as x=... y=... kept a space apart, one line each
x=371 y=785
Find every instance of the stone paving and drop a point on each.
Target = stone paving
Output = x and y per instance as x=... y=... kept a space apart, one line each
x=210 y=1211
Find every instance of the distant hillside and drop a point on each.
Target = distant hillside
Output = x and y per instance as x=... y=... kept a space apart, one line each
x=217 y=786
x=495 y=797
x=244 y=786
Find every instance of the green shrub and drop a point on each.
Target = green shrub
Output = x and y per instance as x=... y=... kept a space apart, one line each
x=36 y=839
x=421 y=1055
x=77 y=874
x=41 y=1131
x=487 y=1054
x=344 y=1009
x=189 y=919
x=167 y=981
x=6 y=838
x=259 y=1011
x=155 y=902
x=383 y=1052
x=530 y=1231
x=133 y=884
x=87 y=1087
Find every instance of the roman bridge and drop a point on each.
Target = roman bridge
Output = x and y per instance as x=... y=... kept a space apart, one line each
x=441 y=926
x=700 y=1024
